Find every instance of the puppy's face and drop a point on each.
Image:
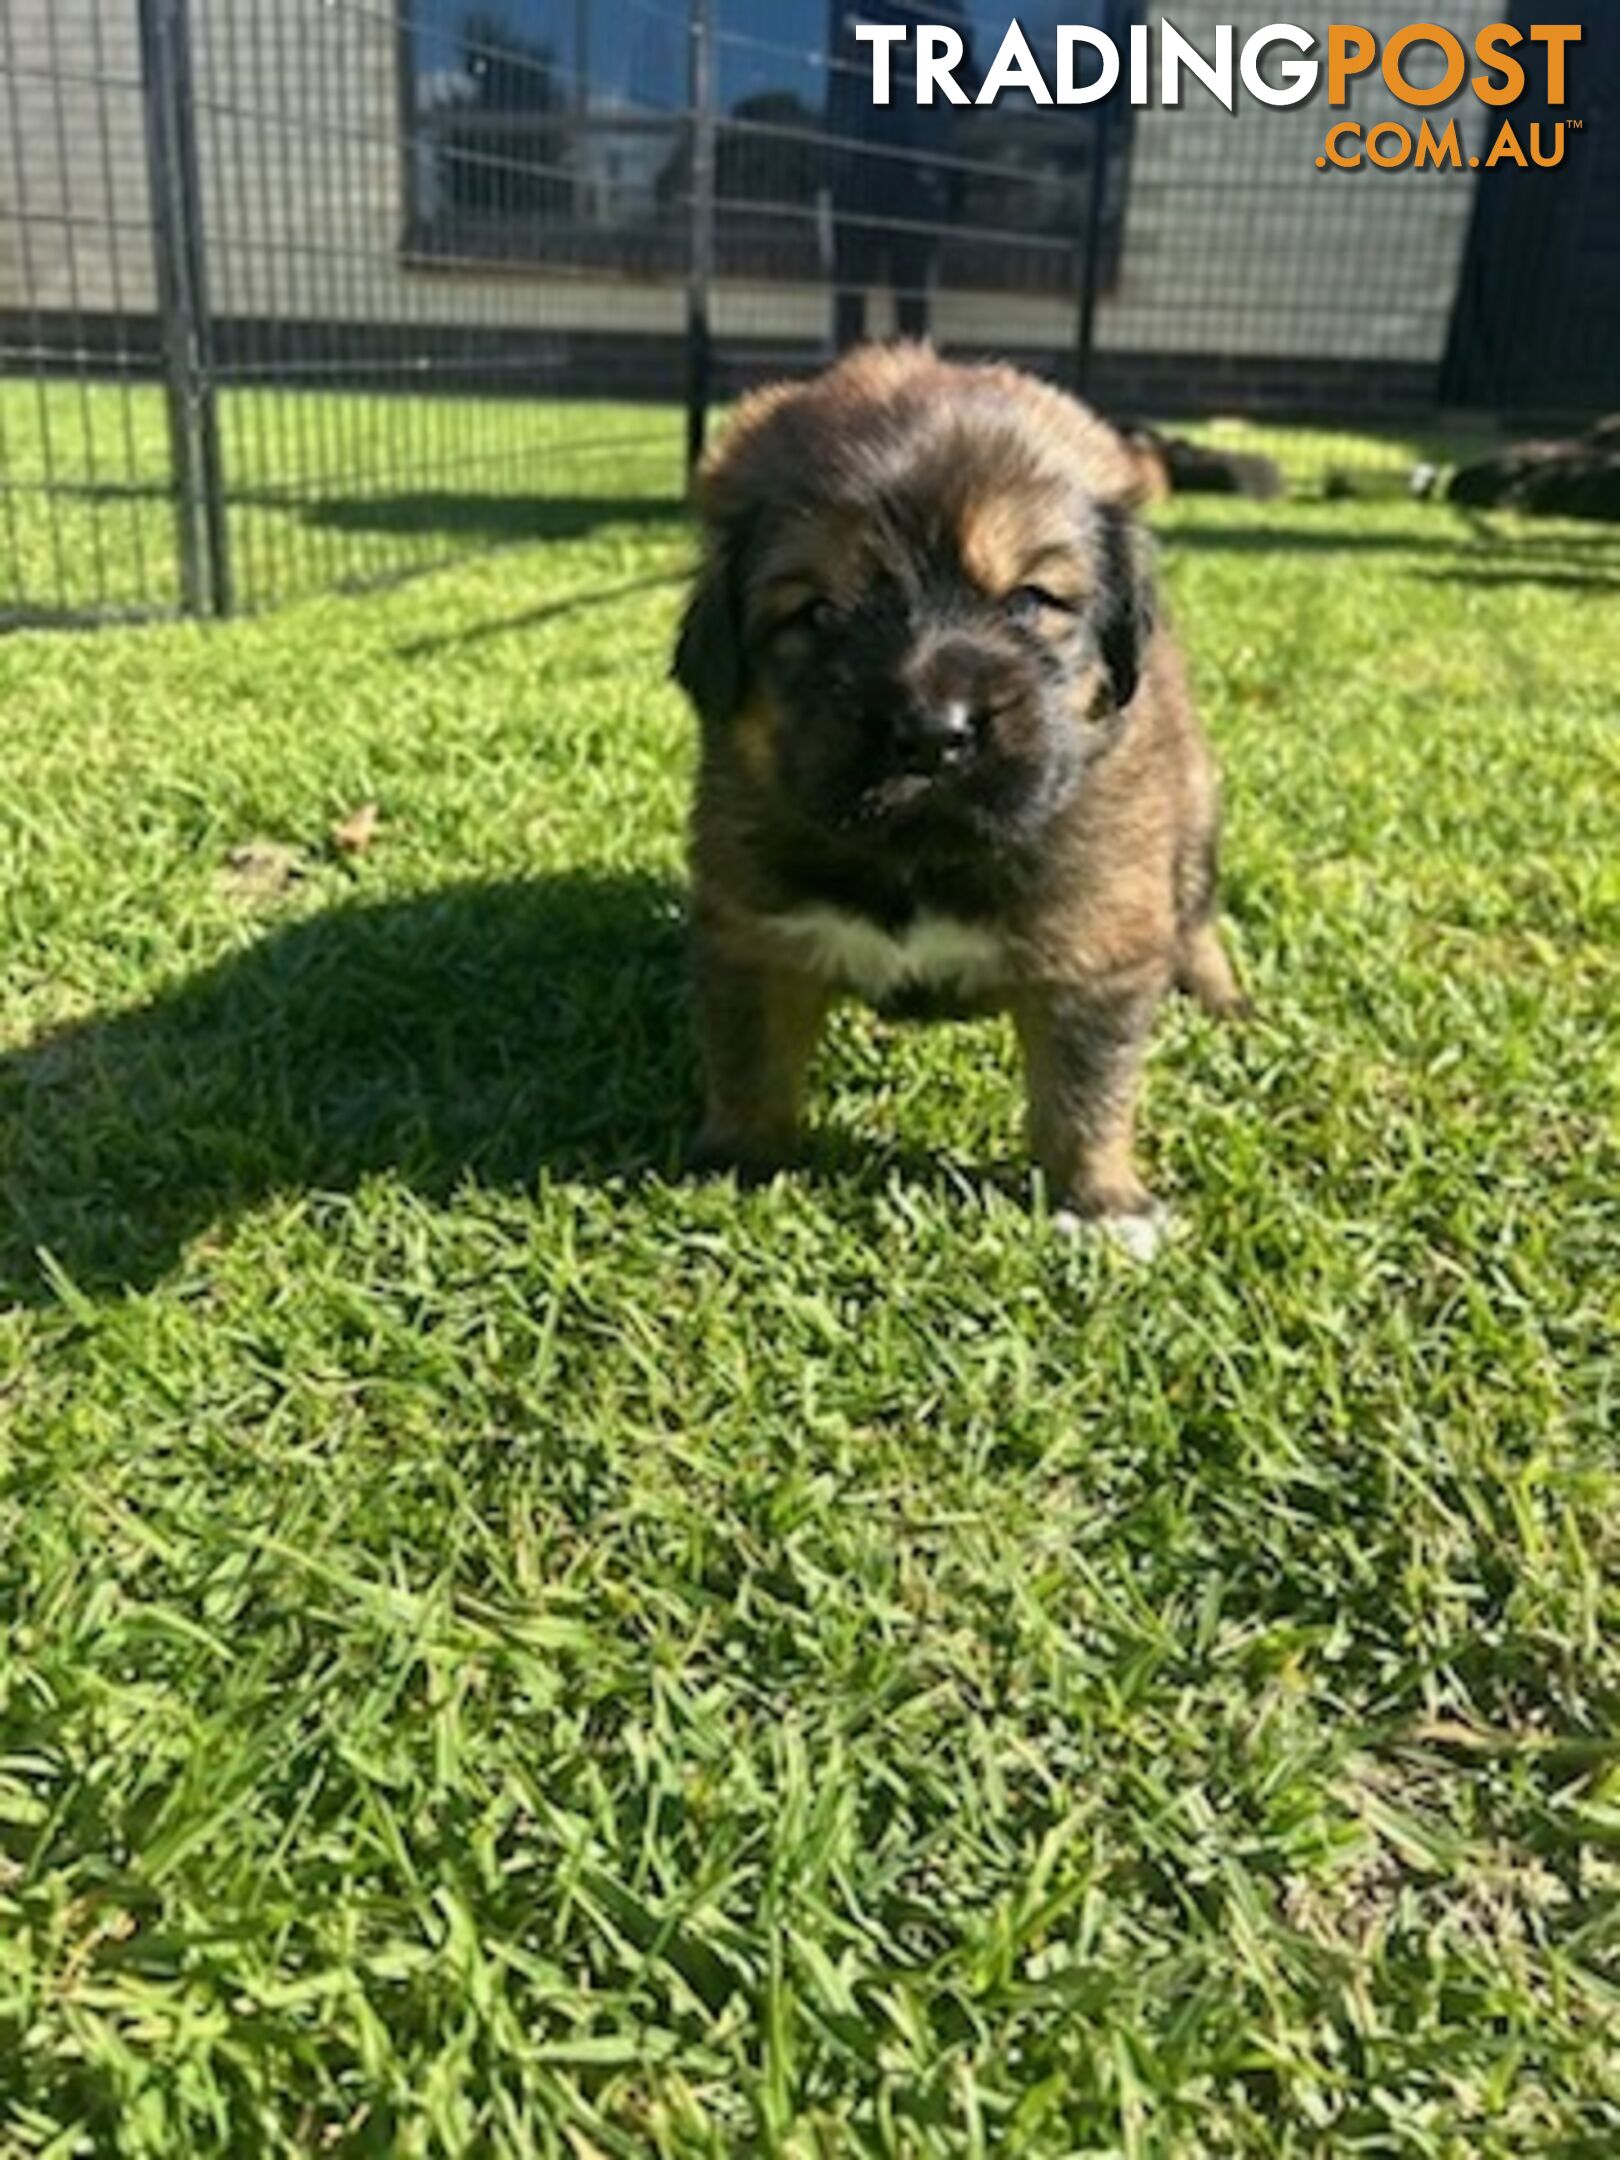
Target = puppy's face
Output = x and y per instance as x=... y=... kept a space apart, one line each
x=924 y=603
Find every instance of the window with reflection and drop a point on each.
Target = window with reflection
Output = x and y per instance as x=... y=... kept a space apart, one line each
x=554 y=133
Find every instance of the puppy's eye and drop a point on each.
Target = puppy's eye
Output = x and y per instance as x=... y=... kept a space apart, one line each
x=815 y=615
x=1028 y=603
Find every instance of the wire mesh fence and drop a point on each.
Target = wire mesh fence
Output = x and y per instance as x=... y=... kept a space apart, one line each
x=300 y=294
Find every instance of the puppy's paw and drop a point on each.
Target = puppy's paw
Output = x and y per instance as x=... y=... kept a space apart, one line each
x=1141 y=1231
x=750 y=1162
x=1206 y=974
x=1236 y=1011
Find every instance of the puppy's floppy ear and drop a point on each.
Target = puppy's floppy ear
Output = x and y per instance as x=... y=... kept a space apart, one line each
x=733 y=481
x=1126 y=602
x=708 y=652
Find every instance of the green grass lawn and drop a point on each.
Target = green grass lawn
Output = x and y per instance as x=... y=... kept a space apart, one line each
x=506 y=1651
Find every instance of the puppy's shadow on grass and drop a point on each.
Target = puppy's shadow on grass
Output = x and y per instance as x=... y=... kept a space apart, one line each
x=485 y=1030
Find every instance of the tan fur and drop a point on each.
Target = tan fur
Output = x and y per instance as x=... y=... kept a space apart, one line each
x=992 y=538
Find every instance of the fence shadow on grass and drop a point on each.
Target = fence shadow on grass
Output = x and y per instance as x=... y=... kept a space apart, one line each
x=574 y=603
x=1586 y=560
x=484 y=1030
x=485 y=518
x=1556 y=577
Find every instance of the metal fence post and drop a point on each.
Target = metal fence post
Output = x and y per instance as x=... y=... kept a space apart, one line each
x=700 y=272
x=182 y=289
x=1091 y=261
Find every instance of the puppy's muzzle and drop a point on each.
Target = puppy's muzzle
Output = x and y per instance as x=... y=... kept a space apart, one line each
x=935 y=736
x=948 y=689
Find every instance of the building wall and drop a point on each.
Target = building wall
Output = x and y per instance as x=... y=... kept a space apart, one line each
x=1235 y=243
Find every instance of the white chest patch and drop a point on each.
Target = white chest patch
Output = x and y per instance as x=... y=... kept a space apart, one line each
x=934 y=952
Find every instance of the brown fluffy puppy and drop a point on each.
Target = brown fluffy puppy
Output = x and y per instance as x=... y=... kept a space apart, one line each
x=949 y=762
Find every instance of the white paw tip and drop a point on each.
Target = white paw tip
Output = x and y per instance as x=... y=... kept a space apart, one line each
x=1140 y=1237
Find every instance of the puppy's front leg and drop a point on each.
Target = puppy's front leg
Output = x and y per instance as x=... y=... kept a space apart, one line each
x=1083 y=1051
x=758 y=1027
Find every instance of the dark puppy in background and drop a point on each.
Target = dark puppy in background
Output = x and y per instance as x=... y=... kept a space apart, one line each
x=949 y=761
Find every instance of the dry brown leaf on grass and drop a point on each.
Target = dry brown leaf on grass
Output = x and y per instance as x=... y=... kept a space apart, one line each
x=353 y=835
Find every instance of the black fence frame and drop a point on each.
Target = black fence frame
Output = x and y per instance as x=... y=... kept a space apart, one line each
x=186 y=323
x=187 y=358
x=191 y=346
x=181 y=264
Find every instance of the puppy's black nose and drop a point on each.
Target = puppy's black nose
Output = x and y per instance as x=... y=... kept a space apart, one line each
x=935 y=735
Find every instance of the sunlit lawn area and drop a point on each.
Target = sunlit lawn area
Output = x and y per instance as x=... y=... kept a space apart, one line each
x=505 y=1650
